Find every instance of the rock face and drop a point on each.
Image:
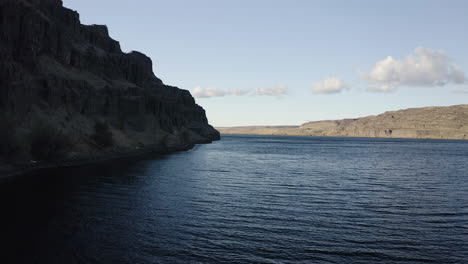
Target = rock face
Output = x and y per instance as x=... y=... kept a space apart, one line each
x=429 y=122
x=54 y=68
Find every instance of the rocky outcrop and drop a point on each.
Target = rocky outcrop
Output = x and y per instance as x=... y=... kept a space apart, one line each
x=428 y=122
x=54 y=68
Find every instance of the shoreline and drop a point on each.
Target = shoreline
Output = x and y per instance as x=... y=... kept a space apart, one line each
x=10 y=172
x=438 y=122
x=290 y=135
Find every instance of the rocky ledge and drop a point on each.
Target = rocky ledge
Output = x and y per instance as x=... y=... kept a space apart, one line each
x=67 y=90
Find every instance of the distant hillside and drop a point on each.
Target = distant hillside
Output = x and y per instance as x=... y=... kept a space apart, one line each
x=449 y=122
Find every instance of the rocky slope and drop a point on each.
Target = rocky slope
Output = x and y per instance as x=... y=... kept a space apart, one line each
x=429 y=122
x=71 y=76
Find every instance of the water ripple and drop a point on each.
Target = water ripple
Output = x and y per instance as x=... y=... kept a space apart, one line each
x=249 y=199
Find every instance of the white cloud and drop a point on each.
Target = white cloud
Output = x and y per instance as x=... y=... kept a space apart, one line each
x=330 y=85
x=200 y=92
x=273 y=91
x=427 y=68
x=239 y=92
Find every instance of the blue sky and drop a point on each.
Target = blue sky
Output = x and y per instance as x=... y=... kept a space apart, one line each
x=287 y=62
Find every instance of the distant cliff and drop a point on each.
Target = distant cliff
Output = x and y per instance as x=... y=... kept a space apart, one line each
x=76 y=81
x=428 y=122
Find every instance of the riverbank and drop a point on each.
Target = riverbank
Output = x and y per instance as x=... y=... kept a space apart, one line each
x=9 y=171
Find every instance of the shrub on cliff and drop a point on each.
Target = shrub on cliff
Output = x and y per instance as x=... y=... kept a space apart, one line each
x=102 y=135
x=48 y=142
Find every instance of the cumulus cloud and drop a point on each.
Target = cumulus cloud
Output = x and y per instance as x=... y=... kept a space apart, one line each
x=330 y=85
x=200 y=92
x=427 y=68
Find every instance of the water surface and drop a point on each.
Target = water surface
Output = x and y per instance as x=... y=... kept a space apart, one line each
x=249 y=199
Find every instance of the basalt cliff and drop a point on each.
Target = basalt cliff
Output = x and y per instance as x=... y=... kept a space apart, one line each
x=450 y=122
x=69 y=87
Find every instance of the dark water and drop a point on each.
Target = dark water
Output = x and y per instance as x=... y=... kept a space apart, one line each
x=249 y=199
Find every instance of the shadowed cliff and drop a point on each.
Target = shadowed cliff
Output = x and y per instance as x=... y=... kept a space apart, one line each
x=449 y=122
x=65 y=80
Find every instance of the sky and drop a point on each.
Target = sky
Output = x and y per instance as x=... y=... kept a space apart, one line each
x=259 y=62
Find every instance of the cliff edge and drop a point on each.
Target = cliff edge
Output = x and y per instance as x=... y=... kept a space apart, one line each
x=67 y=89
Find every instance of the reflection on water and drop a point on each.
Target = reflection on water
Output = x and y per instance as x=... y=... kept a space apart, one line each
x=249 y=199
